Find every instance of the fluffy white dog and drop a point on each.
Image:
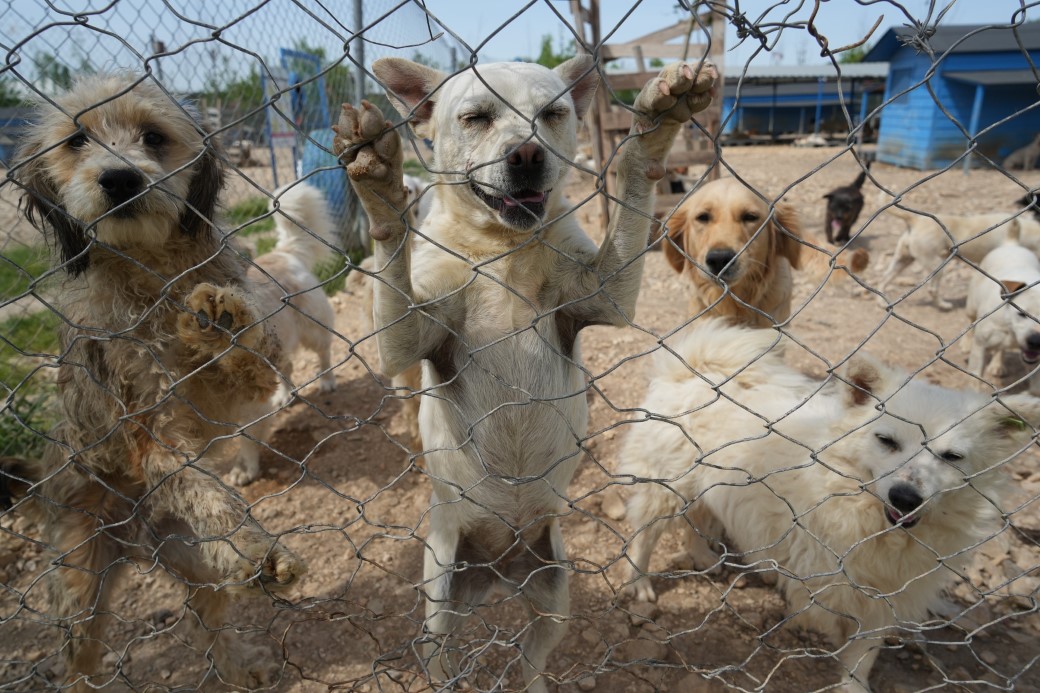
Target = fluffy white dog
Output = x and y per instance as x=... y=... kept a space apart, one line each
x=1004 y=299
x=865 y=492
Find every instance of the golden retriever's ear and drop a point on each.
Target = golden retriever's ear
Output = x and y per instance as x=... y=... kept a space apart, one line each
x=409 y=87
x=674 y=242
x=788 y=233
x=580 y=75
x=44 y=210
x=206 y=184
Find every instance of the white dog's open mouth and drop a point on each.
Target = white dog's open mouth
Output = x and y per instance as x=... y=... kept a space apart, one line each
x=899 y=520
x=1030 y=357
x=523 y=206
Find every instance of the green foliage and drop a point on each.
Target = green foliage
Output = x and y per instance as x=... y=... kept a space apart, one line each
x=418 y=57
x=414 y=167
x=853 y=55
x=9 y=96
x=27 y=346
x=551 y=57
x=251 y=214
x=265 y=244
x=20 y=265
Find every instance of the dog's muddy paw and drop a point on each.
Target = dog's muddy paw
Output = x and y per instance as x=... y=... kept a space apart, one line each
x=681 y=90
x=215 y=315
x=370 y=148
x=277 y=569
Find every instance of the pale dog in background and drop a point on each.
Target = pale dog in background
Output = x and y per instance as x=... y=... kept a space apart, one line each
x=856 y=532
x=164 y=353
x=1024 y=157
x=494 y=319
x=297 y=309
x=928 y=244
x=1004 y=299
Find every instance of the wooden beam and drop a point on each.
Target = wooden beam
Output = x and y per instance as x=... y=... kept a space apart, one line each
x=661 y=50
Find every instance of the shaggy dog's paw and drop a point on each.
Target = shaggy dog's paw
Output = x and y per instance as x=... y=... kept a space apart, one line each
x=246 y=666
x=370 y=148
x=276 y=569
x=215 y=316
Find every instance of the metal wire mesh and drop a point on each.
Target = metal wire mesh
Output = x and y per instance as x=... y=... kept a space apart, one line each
x=128 y=522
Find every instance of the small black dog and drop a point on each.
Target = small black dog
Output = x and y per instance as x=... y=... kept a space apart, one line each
x=843 y=207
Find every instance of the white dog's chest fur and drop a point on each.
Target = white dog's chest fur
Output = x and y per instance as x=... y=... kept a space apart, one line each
x=507 y=401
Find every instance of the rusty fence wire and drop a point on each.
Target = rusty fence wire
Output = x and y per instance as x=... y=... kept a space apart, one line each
x=246 y=441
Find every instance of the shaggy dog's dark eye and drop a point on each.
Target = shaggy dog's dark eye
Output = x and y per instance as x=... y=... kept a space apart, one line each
x=887 y=441
x=750 y=216
x=78 y=141
x=951 y=456
x=703 y=217
x=154 y=139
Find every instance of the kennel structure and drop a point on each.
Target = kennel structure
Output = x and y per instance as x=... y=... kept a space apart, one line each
x=960 y=84
x=778 y=103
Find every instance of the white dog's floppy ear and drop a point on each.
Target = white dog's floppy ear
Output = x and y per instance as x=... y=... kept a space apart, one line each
x=44 y=210
x=409 y=86
x=866 y=380
x=578 y=74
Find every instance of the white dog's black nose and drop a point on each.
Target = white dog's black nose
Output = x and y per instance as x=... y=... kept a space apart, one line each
x=120 y=184
x=904 y=498
x=718 y=258
x=1033 y=341
x=527 y=158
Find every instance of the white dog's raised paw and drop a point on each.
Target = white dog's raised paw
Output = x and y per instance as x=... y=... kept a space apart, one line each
x=676 y=94
x=370 y=148
x=640 y=590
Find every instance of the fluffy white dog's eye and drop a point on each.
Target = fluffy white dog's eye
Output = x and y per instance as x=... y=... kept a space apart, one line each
x=887 y=441
x=476 y=119
x=703 y=217
x=750 y=216
x=951 y=456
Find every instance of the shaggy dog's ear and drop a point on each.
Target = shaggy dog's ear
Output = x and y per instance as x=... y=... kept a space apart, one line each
x=866 y=380
x=674 y=242
x=43 y=209
x=206 y=184
x=578 y=74
x=787 y=231
x=409 y=87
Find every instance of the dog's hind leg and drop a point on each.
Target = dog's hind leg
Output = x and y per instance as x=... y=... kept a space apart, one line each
x=857 y=659
x=547 y=594
x=901 y=259
x=456 y=578
x=652 y=508
x=79 y=593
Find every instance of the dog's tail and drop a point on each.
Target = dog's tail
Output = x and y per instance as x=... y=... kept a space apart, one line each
x=862 y=177
x=303 y=223
x=16 y=477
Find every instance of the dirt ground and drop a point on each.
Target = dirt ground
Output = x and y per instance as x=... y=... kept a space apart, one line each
x=341 y=487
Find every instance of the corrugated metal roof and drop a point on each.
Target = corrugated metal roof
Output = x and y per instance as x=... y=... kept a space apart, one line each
x=961 y=38
x=811 y=72
x=993 y=77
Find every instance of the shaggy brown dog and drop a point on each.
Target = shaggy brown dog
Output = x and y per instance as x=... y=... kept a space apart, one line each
x=162 y=348
x=737 y=254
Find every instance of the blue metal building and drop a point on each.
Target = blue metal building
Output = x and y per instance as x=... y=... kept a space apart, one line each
x=981 y=77
x=780 y=102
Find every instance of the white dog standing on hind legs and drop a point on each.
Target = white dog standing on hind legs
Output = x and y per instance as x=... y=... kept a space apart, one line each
x=492 y=307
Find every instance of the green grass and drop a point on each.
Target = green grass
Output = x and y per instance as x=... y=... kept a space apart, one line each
x=32 y=390
x=414 y=167
x=247 y=214
x=20 y=265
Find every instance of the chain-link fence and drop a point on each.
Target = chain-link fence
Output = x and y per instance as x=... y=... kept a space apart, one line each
x=243 y=444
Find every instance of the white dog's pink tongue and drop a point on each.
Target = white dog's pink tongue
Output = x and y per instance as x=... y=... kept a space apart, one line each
x=534 y=198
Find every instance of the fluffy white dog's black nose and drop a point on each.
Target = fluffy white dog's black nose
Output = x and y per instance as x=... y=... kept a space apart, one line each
x=120 y=184
x=904 y=498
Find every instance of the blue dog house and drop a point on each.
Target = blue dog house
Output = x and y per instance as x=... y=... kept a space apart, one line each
x=981 y=75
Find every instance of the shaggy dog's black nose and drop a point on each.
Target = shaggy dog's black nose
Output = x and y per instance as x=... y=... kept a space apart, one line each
x=120 y=184
x=718 y=259
x=905 y=498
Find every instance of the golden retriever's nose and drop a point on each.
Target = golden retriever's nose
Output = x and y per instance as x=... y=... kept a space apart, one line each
x=120 y=184
x=525 y=157
x=718 y=259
